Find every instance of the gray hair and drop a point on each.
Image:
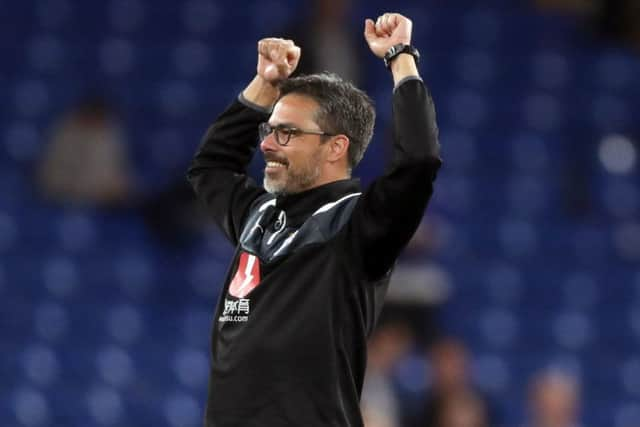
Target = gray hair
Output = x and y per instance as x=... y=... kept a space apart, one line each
x=343 y=109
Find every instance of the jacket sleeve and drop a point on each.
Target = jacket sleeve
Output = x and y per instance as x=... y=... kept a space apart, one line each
x=390 y=210
x=218 y=170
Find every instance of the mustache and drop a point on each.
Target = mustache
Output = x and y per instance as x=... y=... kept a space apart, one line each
x=270 y=157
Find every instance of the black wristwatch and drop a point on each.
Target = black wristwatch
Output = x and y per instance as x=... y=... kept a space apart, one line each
x=397 y=50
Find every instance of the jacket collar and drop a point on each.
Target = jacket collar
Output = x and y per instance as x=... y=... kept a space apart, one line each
x=299 y=206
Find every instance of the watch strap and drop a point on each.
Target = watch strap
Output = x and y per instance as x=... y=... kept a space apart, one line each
x=396 y=50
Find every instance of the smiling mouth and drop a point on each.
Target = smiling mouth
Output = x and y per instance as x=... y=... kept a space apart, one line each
x=274 y=165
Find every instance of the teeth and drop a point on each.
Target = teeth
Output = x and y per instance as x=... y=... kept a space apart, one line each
x=274 y=164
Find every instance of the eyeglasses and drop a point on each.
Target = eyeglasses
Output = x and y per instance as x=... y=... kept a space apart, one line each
x=283 y=133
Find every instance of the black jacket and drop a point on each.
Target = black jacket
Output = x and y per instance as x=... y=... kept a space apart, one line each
x=309 y=273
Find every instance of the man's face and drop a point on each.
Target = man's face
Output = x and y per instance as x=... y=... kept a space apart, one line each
x=556 y=401
x=297 y=166
x=449 y=363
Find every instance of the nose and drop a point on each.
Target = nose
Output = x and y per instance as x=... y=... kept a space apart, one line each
x=269 y=144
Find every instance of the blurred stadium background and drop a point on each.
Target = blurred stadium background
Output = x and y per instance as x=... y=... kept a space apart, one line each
x=534 y=230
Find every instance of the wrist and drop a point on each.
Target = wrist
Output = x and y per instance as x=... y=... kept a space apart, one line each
x=398 y=49
x=261 y=92
x=403 y=66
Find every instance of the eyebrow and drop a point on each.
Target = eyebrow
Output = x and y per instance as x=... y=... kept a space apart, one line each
x=286 y=124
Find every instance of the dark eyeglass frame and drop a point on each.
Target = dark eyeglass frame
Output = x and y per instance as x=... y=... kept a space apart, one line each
x=265 y=129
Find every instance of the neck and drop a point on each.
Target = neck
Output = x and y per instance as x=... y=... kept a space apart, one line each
x=329 y=178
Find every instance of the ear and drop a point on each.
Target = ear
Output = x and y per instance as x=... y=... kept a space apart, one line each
x=338 y=148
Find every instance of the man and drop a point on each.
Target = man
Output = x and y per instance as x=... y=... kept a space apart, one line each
x=452 y=399
x=390 y=341
x=554 y=400
x=314 y=253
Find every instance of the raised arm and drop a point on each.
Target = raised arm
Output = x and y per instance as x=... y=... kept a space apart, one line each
x=391 y=209
x=218 y=171
x=392 y=29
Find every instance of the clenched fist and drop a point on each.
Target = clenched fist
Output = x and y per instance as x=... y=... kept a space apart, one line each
x=277 y=59
x=389 y=30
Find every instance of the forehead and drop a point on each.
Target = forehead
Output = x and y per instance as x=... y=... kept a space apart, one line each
x=294 y=109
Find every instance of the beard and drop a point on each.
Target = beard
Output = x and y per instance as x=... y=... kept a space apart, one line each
x=294 y=178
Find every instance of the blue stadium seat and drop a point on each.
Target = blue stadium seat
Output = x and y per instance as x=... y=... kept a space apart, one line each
x=124 y=323
x=53 y=15
x=77 y=232
x=8 y=231
x=460 y=147
x=615 y=71
x=542 y=112
x=467 y=109
x=573 y=330
x=177 y=98
x=550 y=70
x=30 y=407
x=105 y=405
x=504 y=284
x=191 y=367
x=630 y=377
x=41 y=365
x=23 y=141
x=31 y=98
x=201 y=16
x=192 y=57
x=51 y=321
x=205 y=276
x=609 y=113
x=117 y=56
x=127 y=16
x=476 y=67
x=492 y=373
x=527 y=196
x=518 y=238
x=48 y=54
x=530 y=153
x=115 y=366
x=60 y=276
x=134 y=273
x=182 y=409
x=499 y=328
x=627 y=414
x=581 y=290
x=196 y=325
